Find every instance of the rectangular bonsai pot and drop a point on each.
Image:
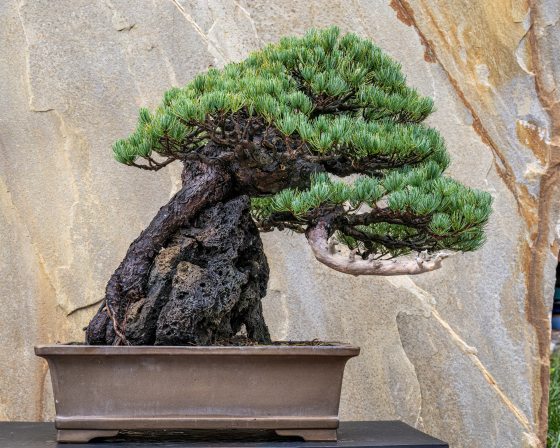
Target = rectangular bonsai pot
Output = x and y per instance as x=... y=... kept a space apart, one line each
x=294 y=390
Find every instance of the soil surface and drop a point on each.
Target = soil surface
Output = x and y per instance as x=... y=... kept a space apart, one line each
x=243 y=341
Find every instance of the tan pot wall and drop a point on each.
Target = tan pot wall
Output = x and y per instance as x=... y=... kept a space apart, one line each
x=461 y=353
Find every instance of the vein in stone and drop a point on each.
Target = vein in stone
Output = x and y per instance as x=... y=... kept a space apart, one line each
x=8 y=203
x=537 y=313
x=211 y=47
x=170 y=70
x=520 y=52
x=406 y=15
x=42 y=374
x=419 y=423
x=251 y=21
x=129 y=55
x=427 y=301
x=27 y=77
x=63 y=129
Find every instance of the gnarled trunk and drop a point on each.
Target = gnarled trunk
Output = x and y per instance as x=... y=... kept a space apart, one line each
x=195 y=275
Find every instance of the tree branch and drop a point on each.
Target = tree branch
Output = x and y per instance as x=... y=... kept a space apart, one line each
x=418 y=243
x=318 y=238
x=153 y=165
x=386 y=215
x=342 y=165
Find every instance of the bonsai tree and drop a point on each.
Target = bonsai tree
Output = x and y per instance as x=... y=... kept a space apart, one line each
x=261 y=142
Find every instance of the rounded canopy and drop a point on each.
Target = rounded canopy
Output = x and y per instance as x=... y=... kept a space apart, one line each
x=295 y=113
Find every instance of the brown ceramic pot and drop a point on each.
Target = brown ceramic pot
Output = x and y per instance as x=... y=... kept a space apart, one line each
x=294 y=390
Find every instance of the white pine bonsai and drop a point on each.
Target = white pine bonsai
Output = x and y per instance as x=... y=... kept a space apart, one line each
x=259 y=140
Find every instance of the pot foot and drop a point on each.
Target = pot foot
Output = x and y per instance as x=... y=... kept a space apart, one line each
x=83 y=435
x=310 y=435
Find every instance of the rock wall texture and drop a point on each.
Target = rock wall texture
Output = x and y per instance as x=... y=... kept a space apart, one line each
x=461 y=353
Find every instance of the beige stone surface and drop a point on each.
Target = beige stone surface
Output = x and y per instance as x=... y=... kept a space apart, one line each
x=461 y=353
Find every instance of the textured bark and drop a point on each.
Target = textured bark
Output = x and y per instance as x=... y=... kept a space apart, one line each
x=206 y=283
x=262 y=169
x=195 y=274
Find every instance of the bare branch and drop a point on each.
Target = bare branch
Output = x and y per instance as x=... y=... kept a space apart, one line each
x=318 y=238
x=153 y=165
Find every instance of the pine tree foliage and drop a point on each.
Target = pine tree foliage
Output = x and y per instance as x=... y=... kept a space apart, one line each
x=423 y=211
x=297 y=85
x=339 y=101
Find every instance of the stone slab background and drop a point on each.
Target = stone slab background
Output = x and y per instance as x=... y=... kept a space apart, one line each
x=461 y=353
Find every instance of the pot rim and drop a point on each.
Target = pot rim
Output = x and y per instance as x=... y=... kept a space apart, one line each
x=337 y=349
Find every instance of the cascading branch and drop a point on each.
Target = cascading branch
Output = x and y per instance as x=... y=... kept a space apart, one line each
x=276 y=127
x=407 y=210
